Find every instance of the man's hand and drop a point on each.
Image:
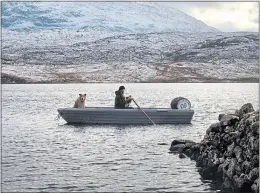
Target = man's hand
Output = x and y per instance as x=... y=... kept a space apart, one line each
x=129 y=98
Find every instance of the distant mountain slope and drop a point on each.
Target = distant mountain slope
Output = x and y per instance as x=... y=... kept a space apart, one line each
x=108 y=17
x=152 y=57
x=54 y=42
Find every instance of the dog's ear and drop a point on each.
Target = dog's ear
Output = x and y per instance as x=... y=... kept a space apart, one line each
x=85 y=94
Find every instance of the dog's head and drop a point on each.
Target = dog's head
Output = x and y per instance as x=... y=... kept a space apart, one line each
x=82 y=97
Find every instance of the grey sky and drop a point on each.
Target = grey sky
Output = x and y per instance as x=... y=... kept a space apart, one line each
x=225 y=16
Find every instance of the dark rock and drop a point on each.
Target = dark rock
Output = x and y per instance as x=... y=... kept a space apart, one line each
x=237 y=139
x=188 y=152
x=208 y=131
x=231 y=168
x=220 y=170
x=223 y=124
x=189 y=145
x=246 y=108
x=249 y=121
x=255 y=186
x=238 y=154
x=257 y=117
x=215 y=127
x=256 y=145
x=243 y=143
x=177 y=148
x=230 y=149
x=162 y=143
x=221 y=160
x=228 y=119
x=195 y=155
x=228 y=129
x=233 y=136
x=254 y=174
x=181 y=155
x=251 y=143
x=255 y=128
x=227 y=182
x=195 y=147
x=226 y=138
x=246 y=167
x=180 y=141
x=242 y=183
x=255 y=161
x=237 y=113
x=238 y=170
x=208 y=172
x=225 y=165
x=180 y=145
x=220 y=117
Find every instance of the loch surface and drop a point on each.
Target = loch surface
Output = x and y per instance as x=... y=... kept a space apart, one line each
x=41 y=154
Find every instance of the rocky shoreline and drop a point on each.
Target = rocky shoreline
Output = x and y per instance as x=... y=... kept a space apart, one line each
x=229 y=152
x=13 y=79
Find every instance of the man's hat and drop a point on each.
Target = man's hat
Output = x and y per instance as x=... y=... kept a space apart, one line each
x=121 y=87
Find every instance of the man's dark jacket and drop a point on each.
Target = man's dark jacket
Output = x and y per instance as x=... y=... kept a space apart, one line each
x=120 y=101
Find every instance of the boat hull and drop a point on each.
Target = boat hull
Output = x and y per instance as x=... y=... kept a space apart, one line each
x=107 y=115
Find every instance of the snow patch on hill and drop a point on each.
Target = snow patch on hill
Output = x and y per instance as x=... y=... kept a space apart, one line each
x=108 y=17
x=169 y=57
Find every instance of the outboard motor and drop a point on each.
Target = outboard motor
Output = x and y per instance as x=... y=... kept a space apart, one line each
x=180 y=103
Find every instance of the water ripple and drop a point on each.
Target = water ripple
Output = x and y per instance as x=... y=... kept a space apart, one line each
x=40 y=154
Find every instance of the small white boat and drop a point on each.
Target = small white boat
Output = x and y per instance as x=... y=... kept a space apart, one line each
x=179 y=113
x=110 y=115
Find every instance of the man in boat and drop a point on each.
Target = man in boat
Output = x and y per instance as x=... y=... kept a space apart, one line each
x=122 y=102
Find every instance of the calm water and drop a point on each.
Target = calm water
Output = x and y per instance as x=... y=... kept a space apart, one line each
x=40 y=154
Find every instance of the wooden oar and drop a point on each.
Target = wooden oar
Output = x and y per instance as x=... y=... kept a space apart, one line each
x=144 y=112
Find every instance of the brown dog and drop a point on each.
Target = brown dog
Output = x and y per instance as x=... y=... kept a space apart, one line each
x=81 y=101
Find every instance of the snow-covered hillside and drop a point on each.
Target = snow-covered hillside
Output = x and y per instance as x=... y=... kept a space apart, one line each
x=108 y=17
x=154 y=57
x=119 y=42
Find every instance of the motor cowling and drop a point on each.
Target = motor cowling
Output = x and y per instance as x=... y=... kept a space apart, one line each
x=180 y=103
